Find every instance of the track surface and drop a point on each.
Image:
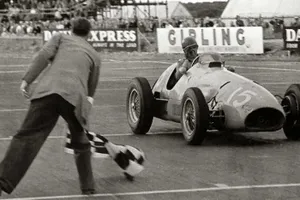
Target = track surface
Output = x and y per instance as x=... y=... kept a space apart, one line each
x=252 y=166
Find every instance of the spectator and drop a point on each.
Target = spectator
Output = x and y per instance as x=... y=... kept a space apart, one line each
x=219 y=23
x=154 y=23
x=296 y=23
x=66 y=23
x=29 y=28
x=278 y=25
x=19 y=29
x=201 y=23
x=168 y=25
x=208 y=22
x=239 y=22
x=4 y=19
x=57 y=14
x=36 y=29
x=14 y=12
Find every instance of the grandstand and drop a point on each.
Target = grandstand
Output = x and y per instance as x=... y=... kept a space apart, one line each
x=59 y=9
x=31 y=16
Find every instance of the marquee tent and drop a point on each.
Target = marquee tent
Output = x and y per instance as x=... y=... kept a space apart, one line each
x=174 y=9
x=265 y=8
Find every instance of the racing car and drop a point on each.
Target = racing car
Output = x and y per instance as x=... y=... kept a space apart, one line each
x=211 y=97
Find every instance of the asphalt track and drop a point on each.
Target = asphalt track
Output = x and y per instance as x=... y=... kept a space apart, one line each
x=254 y=166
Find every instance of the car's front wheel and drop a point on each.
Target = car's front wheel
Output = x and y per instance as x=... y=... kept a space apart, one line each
x=194 y=116
x=290 y=104
x=139 y=105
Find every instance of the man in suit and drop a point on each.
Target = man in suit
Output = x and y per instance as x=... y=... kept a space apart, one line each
x=66 y=88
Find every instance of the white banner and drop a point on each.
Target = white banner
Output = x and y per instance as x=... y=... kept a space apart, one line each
x=113 y=39
x=227 y=40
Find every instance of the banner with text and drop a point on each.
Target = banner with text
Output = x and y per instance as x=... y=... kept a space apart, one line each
x=291 y=38
x=109 y=39
x=241 y=40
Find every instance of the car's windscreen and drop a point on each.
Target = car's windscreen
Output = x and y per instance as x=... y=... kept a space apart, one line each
x=213 y=60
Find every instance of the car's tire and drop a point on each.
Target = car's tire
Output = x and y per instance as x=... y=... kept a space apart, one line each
x=291 y=106
x=194 y=116
x=139 y=107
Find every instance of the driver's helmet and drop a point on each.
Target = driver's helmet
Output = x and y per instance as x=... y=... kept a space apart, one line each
x=190 y=48
x=188 y=42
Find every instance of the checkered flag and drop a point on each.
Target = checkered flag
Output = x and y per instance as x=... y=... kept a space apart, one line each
x=129 y=159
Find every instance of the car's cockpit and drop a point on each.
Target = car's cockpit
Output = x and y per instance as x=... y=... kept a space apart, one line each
x=210 y=60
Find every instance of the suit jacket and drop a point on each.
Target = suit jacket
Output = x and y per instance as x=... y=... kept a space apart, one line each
x=73 y=72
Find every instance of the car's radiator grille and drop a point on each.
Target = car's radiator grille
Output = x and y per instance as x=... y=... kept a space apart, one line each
x=264 y=119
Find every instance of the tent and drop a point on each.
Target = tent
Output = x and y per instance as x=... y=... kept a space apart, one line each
x=174 y=9
x=266 y=8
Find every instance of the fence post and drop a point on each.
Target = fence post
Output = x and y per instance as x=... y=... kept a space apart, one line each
x=139 y=40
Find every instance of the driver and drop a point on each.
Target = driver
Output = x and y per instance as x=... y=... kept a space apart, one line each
x=190 y=49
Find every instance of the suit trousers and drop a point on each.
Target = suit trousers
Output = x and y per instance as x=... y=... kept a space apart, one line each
x=40 y=120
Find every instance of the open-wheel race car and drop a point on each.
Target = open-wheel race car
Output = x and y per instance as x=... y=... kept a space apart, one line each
x=210 y=97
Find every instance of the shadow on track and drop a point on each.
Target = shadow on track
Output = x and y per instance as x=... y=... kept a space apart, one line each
x=221 y=139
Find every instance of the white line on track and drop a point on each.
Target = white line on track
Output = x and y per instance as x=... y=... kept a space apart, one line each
x=221 y=185
x=25 y=109
x=268 y=68
x=8 y=66
x=11 y=72
x=108 y=135
x=107 y=61
x=153 y=192
x=136 y=68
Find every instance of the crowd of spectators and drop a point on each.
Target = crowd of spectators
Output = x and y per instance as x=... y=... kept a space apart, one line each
x=30 y=17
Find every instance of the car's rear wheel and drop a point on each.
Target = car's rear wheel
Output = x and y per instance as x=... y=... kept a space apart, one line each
x=139 y=105
x=290 y=104
x=194 y=116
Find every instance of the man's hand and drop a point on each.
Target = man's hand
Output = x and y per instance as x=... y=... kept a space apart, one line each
x=25 y=89
x=91 y=100
x=182 y=70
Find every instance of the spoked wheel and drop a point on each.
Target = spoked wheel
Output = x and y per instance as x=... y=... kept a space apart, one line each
x=139 y=105
x=194 y=116
x=290 y=104
x=134 y=106
x=189 y=116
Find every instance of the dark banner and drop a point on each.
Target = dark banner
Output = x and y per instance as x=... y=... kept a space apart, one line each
x=291 y=38
x=106 y=39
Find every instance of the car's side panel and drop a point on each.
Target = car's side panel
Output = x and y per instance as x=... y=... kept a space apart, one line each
x=161 y=83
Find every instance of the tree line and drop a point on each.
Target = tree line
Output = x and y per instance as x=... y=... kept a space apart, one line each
x=206 y=9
